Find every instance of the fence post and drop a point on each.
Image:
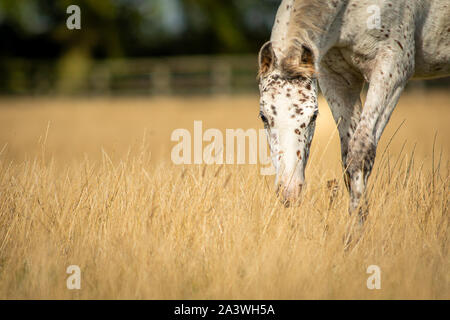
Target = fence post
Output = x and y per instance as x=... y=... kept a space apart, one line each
x=221 y=77
x=100 y=79
x=161 y=79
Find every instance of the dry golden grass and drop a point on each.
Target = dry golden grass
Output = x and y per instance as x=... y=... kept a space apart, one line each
x=89 y=182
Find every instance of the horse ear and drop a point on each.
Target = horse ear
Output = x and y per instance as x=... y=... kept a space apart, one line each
x=307 y=56
x=266 y=58
x=299 y=64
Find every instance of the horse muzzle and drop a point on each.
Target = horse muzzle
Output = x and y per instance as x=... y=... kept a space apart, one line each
x=289 y=192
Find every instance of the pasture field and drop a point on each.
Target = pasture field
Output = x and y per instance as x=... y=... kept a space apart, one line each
x=90 y=182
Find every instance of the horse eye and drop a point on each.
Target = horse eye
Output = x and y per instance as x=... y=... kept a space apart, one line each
x=263 y=117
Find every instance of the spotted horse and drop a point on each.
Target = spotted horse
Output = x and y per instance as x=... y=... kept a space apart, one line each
x=335 y=44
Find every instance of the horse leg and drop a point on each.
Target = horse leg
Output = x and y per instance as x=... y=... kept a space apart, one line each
x=387 y=82
x=342 y=88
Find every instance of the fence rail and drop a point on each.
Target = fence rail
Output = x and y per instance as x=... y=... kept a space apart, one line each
x=193 y=75
x=164 y=76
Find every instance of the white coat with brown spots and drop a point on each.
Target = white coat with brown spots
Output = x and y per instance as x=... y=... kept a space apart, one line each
x=329 y=43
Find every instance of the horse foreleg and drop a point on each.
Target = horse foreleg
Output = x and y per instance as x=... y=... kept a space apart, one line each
x=386 y=86
x=342 y=87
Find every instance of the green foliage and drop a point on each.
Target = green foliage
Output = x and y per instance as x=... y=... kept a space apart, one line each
x=36 y=30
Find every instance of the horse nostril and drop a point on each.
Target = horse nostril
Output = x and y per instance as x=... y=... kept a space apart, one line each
x=282 y=194
x=289 y=196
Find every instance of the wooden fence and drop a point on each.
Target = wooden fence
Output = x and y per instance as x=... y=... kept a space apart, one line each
x=165 y=76
x=195 y=75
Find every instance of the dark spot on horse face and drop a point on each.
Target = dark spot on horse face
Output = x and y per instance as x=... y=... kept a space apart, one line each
x=299 y=155
x=297 y=131
x=308 y=86
x=303 y=126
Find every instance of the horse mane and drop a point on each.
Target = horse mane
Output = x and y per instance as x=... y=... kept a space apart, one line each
x=308 y=17
x=309 y=21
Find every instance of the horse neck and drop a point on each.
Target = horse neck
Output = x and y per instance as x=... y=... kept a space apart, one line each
x=311 y=22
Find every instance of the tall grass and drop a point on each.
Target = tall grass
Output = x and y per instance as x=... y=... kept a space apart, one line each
x=140 y=227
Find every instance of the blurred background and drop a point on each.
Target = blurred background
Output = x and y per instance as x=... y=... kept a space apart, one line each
x=87 y=178
x=144 y=47
x=136 y=47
